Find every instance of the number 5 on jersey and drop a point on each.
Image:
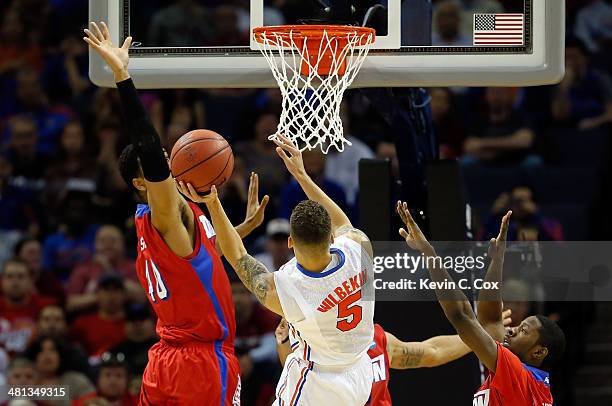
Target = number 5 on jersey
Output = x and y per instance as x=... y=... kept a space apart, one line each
x=347 y=310
x=160 y=287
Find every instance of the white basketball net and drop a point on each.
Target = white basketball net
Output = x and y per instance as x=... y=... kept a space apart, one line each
x=311 y=103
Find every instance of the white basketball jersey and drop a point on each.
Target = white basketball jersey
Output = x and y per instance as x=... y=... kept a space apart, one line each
x=331 y=324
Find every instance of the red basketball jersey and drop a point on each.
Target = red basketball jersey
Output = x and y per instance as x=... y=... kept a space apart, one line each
x=514 y=384
x=191 y=296
x=380 y=395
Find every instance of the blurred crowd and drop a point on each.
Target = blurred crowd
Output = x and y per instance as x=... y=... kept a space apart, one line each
x=71 y=311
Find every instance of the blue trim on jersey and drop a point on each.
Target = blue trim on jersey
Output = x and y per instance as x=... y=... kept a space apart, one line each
x=538 y=374
x=142 y=210
x=203 y=266
x=309 y=368
x=328 y=272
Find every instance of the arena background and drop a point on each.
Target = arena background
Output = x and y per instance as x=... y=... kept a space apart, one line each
x=66 y=213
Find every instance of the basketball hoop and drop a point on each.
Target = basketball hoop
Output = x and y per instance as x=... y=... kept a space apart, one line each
x=314 y=65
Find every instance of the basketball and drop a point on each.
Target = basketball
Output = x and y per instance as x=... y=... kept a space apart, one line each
x=202 y=158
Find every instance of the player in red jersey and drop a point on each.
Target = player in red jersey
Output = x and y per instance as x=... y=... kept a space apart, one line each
x=518 y=359
x=387 y=352
x=178 y=264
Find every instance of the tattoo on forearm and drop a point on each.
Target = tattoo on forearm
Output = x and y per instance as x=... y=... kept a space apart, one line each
x=253 y=275
x=409 y=357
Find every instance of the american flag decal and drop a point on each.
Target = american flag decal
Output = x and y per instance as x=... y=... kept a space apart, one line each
x=499 y=29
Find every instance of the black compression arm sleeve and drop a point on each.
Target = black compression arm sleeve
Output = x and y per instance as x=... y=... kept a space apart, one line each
x=142 y=134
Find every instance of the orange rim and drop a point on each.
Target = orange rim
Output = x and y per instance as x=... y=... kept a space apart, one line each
x=299 y=32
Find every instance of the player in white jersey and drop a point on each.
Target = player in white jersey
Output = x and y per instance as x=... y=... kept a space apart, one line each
x=320 y=293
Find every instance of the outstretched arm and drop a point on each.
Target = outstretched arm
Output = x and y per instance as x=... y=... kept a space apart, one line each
x=426 y=354
x=251 y=272
x=454 y=303
x=164 y=200
x=341 y=225
x=430 y=353
x=490 y=304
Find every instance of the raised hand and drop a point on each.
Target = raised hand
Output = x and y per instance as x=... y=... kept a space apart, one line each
x=497 y=247
x=117 y=58
x=412 y=233
x=507 y=317
x=255 y=208
x=291 y=155
x=189 y=191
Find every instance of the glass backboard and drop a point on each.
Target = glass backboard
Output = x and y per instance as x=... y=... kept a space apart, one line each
x=207 y=43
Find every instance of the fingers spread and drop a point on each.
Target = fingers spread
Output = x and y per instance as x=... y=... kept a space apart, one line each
x=404 y=233
x=97 y=31
x=91 y=43
x=192 y=190
x=127 y=43
x=105 y=31
x=92 y=37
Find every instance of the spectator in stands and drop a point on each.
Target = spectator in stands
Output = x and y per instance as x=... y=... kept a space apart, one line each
x=447 y=20
x=74 y=242
x=20 y=306
x=259 y=155
x=16 y=210
x=109 y=257
x=528 y=224
x=503 y=135
x=277 y=251
x=22 y=372
x=181 y=108
x=139 y=337
x=27 y=161
x=227 y=31
x=109 y=180
x=52 y=323
x=29 y=250
x=450 y=129
x=387 y=150
x=72 y=160
x=47 y=353
x=594 y=26
x=255 y=345
x=30 y=99
x=105 y=328
x=112 y=384
x=292 y=193
x=184 y=23
x=17 y=50
x=343 y=167
x=584 y=97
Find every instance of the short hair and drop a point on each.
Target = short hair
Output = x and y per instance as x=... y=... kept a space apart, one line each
x=310 y=223
x=553 y=338
x=21 y=243
x=21 y=362
x=129 y=167
x=35 y=348
x=17 y=261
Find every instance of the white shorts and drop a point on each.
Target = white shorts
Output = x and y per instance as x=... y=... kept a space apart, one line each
x=303 y=383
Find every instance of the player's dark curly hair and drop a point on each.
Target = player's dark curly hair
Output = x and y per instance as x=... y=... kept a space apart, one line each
x=310 y=223
x=553 y=338
x=129 y=166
